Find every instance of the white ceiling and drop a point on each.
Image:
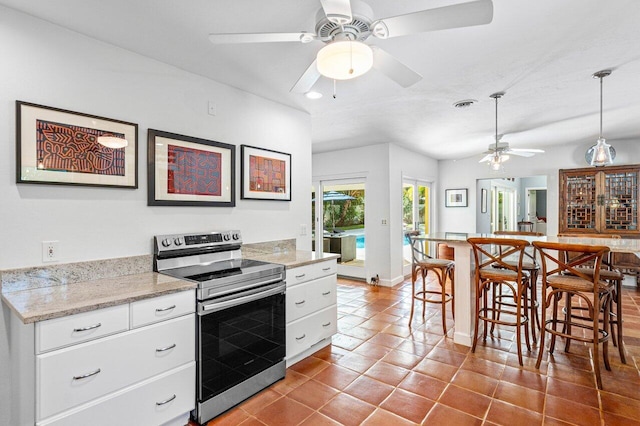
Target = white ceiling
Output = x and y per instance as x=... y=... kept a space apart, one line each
x=541 y=52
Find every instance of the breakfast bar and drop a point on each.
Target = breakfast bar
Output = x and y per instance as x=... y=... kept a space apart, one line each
x=465 y=291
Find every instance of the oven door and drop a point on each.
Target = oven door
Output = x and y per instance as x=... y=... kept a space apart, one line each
x=240 y=336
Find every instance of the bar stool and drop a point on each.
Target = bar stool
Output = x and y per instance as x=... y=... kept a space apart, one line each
x=422 y=263
x=531 y=266
x=567 y=278
x=525 y=226
x=490 y=281
x=612 y=274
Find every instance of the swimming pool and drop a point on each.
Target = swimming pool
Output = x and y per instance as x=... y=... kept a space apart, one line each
x=360 y=241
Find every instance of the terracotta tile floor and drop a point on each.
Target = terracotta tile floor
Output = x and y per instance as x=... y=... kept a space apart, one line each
x=378 y=371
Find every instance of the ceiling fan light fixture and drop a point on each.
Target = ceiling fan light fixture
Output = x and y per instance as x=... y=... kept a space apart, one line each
x=344 y=60
x=113 y=142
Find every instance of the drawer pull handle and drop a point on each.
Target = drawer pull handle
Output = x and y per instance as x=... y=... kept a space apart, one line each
x=166 y=401
x=300 y=303
x=91 y=327
x=301 y=337
x=84 y=376
x=326 y=269
x=300 y=276
x=168 y=308
x=327 y=324
x=166 y=348
x=326 y=293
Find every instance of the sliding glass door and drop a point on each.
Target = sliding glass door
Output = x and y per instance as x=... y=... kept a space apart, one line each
x=415 y=214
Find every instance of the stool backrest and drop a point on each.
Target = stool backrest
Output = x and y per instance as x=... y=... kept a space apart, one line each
x=490 y=252
x=418 y=247
x=555 y=260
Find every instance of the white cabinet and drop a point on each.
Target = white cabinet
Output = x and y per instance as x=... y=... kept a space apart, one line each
x=311 y=310
x=128 y=364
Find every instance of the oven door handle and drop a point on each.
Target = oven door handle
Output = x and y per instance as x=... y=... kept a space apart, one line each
x=218 y=306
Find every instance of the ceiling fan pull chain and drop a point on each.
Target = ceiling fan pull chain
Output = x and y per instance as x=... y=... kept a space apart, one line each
x=334 y=89
x=350 y=57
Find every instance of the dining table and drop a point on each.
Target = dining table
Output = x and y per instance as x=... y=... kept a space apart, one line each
x=464 y=301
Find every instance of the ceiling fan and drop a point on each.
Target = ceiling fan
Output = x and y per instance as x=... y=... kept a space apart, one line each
x=499 y=152
x=344 y=25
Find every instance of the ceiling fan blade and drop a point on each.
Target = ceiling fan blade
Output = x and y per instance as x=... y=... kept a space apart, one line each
x=260 y=37
x=486 y=158
x=393 y=68
x=337 y=11
x=307 y=79
x=478 y=12
x=532 y=150
x=519 y=153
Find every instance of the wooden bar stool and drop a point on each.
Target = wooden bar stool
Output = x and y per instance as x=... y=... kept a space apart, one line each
x=507 y=279
x=531 y=266
x=422 y=263
x=569 y=279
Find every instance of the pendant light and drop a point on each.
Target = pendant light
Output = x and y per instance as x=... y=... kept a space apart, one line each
x=496 y=163
x=601 y=150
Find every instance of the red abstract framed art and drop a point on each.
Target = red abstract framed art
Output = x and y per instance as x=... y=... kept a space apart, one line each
x=60 y=147
x=188 y=171
x=266 y=174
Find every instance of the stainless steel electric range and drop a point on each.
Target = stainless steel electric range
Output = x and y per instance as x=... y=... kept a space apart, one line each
x=240 y=346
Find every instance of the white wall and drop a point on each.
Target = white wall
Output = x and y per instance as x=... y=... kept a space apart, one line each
x=383 y=166
x=464 y=174
x=48 y=65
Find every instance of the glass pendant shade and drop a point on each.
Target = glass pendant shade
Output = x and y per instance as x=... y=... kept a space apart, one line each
x=112 y=142
x=344 y=60
x=601 y=154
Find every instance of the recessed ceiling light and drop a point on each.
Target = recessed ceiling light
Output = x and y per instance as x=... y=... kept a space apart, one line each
x=313 y=95
x=464 y=103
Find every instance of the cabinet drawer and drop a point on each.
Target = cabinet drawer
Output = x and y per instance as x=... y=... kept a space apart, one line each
x=306 y=298
x=311 y=272
x=308 y=331
x=138 y=404
x=161 y=308
x=78 y=328
x=72 y=376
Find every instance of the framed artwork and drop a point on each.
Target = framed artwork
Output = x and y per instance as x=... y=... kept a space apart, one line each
x=483 y=200
x=266 y=174
x=455 y=197
x=188 y=171
x=60 y=147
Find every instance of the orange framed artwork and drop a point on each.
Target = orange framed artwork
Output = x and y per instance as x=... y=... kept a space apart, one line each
x=266 y=174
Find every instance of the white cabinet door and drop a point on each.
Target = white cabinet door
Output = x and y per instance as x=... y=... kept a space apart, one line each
x=304 y=299
x=306 y=332
x=72 y=376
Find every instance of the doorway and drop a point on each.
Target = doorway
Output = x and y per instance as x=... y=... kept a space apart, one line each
x=338 y=223
x=416 y=212
x=504 y=209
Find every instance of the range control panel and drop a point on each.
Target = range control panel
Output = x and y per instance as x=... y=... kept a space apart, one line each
x=195 y=241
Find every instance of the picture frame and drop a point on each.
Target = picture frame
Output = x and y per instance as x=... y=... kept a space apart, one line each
x=60 y=147
x=455 y=197
x=265 y=174
x=483 y=200
x=189 y=171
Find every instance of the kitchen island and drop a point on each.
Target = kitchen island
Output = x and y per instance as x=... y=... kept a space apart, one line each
x=464 y=269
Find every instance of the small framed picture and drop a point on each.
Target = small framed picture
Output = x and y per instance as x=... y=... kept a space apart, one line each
x=455 y=197
x=266 y=174
x=483 y=200
x=60 y=147
x=188 y=171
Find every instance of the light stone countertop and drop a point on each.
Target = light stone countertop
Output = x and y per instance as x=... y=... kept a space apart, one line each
x=291 y=259
x=39 y=304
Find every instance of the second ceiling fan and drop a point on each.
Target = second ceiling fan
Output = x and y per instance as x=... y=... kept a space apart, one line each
x=344 y=25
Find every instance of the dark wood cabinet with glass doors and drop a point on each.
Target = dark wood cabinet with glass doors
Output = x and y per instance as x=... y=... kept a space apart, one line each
x=602 y=200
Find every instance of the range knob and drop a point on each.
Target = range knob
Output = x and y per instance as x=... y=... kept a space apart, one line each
x=226 y=237
x=177 y=242
x=166 y=242
x=235 y=236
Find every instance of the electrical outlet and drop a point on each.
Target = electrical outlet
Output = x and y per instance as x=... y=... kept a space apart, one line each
x=212 y=108
x=384 y=222
x=50 y=251
x=303 y=229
